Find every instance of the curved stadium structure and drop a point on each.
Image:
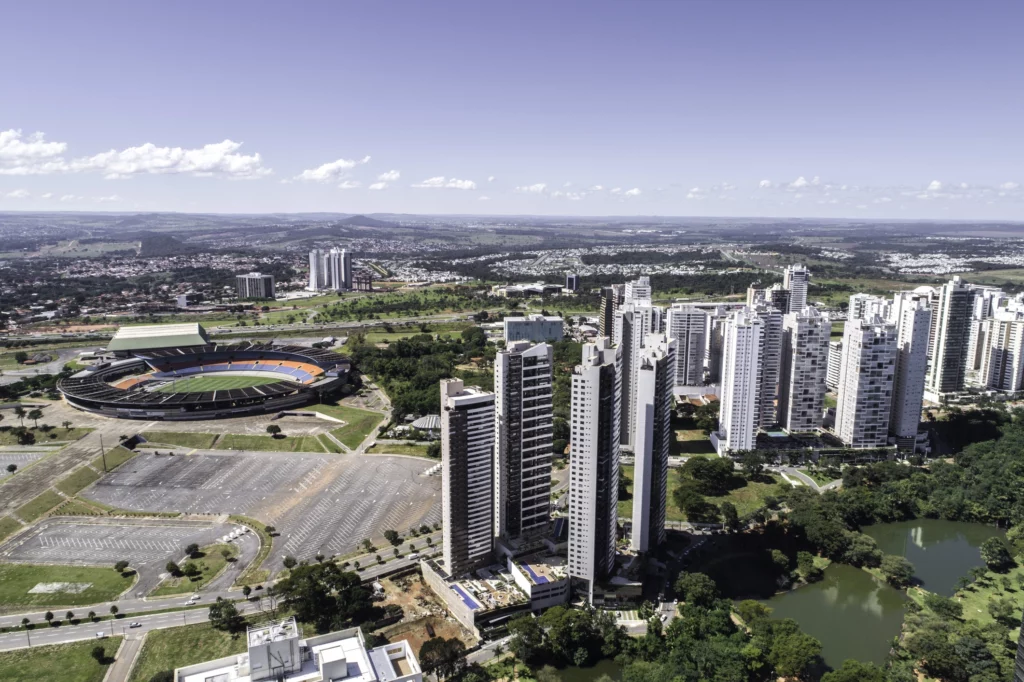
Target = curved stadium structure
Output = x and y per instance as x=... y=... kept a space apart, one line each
x=206 y=382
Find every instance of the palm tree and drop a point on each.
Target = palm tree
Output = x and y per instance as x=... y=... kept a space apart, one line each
x=66 y=424
x=20 y=413
x=35 y=415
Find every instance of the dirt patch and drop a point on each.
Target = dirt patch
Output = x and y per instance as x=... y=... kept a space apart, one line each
x=421 y=608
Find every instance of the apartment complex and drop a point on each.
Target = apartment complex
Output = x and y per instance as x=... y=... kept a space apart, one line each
x=611 y=298
x=796 y=279
x=254 y=285
x=866 y=380
x=949 y=337
x=534 y=328
x=330 y=270
x=688 y=325
x=738 y=395
x=635 y=323
x=804 y=365
x=912 y=317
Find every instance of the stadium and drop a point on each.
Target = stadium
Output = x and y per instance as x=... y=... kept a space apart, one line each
x=174 y=372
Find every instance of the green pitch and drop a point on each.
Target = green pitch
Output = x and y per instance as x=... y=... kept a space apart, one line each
x=214 y=383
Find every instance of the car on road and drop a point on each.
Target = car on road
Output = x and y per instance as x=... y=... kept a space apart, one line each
x=414 y=556
x=101 y=635
x=135 y=624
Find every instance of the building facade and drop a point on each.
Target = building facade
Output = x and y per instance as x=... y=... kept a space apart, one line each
x=330 y=270
x=255 y=285
x=653 y=419
x=467 y=476
x=738 y=395
x=572 y=281
x=1003 y=359
x=535 y=328
x=913 y=321
x=804 y=366
x=688 y=325
x=523 y=440
x=636 y=322
x=835 y=361
x=950 y=337
x=611 y=299
x=769 y=365
x=866 y=383
x=639 y=291
x=796 y=279
x=594 y=465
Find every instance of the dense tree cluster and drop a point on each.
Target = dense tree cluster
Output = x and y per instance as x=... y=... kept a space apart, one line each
x=327 y=596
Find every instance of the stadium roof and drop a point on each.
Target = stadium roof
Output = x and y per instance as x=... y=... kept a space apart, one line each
x=149 y=337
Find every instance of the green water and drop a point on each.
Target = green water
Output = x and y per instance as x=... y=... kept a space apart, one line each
x=856 y=616
x=602 y=667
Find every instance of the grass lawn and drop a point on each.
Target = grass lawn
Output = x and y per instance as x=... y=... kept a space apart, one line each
x=42 y=437
x=16 y=580
x=202 y=441
x=329 y=444
x=230 y=441
x=64 y=662
x=414 y=449
x=211 y=563
x=816 y=475
x=35 y=508
x=8 y=526
x=214 y=383
x=976 y=597
x=77 y=481
x=747 y=498
x=78 y=507
x=690 y=443
x=358 y=423
x=187 y=645
x=115 y=457
x=831 y=400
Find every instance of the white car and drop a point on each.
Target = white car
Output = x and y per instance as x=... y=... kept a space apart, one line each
x=136 y=624
x=101 y=635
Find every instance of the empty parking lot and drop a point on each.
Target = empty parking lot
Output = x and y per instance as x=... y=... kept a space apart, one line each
x=318 y=503
x=19 y=459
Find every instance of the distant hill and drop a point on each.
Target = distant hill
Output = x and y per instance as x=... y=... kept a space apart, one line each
x=154 y=244
x=363 y=221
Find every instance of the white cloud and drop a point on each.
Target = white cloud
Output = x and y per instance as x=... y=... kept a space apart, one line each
x=329 y=172
x=113 y=198
x=635 y=192
x=595 y=188
x=571 y=196
x=616 y=190
x=19 y=194
x=48 y=195
x=934 y=186
x=490 y=178
x=799 y=182
x=765 y=184
x=32 y=155
x=538 y=188
x=70 y=197
x=220 y=158
x=484 y=199
x=1009 y=185
x=390 y=176
x=350 y=184
x=440 y=182
x=378 y=186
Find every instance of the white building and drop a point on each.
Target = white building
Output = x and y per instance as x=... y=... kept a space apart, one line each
x=254 y=285
x=835 y=361
x=688 y=325
x=639 y=291
x=987 y=301
x=805 y=348
x=913 y=321
x=534 y=328
x=797 y=279
x=738 y=396
x=1004 y=352
x=277 y=651
x=636 y=322
x=653 y=419
x=868 y=307
x=769 y=365
x=594 y=465
x=865 y=383
x=330 y=270
x=950 y=336
x=467 y=476
x=523 y=440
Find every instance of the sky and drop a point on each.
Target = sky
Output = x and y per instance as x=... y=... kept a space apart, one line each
x=871 y=109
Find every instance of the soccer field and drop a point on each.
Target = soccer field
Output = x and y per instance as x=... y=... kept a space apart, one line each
x=214 y=383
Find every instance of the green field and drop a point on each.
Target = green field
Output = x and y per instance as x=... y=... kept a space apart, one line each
x=359 y=423
x=413 y=449
x=177 y=647
x=16 y=580
x=58 y=434
x=114 y=457
x=33 y=509
x=8 y=526
x=79 y=480
x=231 y=441
x=64 y=662
x=691 y=443
x=211 y=563
x=215 y=383
x=186 y=440
x=747 y=498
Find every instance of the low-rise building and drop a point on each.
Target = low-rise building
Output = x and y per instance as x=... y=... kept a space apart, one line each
x=536 y=328
x=483 y=601
x=544 y=578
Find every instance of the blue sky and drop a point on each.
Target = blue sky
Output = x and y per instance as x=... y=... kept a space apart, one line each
x=905 y=109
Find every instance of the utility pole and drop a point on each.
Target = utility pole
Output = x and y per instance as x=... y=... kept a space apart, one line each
x=28 y=636
x=103 y=453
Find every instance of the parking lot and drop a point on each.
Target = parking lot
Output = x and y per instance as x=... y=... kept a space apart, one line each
x=146 y=544
x=19 y=459
x=318 y=503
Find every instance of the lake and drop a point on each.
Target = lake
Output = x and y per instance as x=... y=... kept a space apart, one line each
x=603 y=667
x=856 y=616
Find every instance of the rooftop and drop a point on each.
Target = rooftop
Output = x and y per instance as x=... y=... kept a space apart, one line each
x=543 y=568
x=147 y=337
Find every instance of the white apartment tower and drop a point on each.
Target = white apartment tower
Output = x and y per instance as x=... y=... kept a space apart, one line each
x=835 y=361
x=639 y=291
x=688 y=325
x=987 y=302
x=636 y=322
x=653 y=419
x=738 y=396
x=594 y=465
x=804 y=366
x=797 y=279
x=769 y=365
x=1004 y=352
x=866 y=383
x=330 y=270
x=913 y=321
x=951 y=325
x=523 y=438
x=467 y=476
x=318 y=270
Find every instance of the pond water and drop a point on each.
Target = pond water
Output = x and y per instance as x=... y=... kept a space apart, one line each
x=856 y=616
x=602 y=667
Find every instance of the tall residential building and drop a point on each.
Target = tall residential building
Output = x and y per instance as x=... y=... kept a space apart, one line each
x=318 y=270
x=653 y=419
x=611 y=299
x=865 y=383
x=738 y=395
x=835 y=361
x=688 y=325
x=805 y=346
x=796 y=279
x=913 y=321
x=987 y=301
x=572 y=281
x=467 y=476
x=594 y=465
x=533 y=328
x=330 y=270
x=716 y=335
x=1003 y=364
x=255 y=285
x=867 y=307
x=951 y=322
x=634 y=324
x=638 y=291
x=769 y=365
x=523 y=438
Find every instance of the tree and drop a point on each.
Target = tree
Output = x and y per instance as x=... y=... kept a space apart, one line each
x=114 y=610
x=20 y=357
x=855 y=671
x=326 y=596
x=897 y=570
x=26 y=438
x=392 y=537
x=289 y=562
x=224 y=616
x=35 y=415
x=69 y=616
x=99 y=654
x=696 y=589
x=270 y=530
x=49 y=616
x=711 y=476
x=25 y=622
x=996 y=556
x=92 y=615
x=191 y=570
x=11 y=468
x=753 y=462
x=192 y=550
x=172 y=568
x=1004 y=611
x=527 y=637
x=246 y=591
x=862 y=550
x=163 y=676
x=66 y=424
x=792 y=654
x=949 y=609
x=274 y=430
x=730 y=517
x=121 y=566
x=434 y=449
x=446 y=657
x=367 y=545
x=226 y=553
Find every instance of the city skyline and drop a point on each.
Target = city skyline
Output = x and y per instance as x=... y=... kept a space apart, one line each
x=663 y=109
